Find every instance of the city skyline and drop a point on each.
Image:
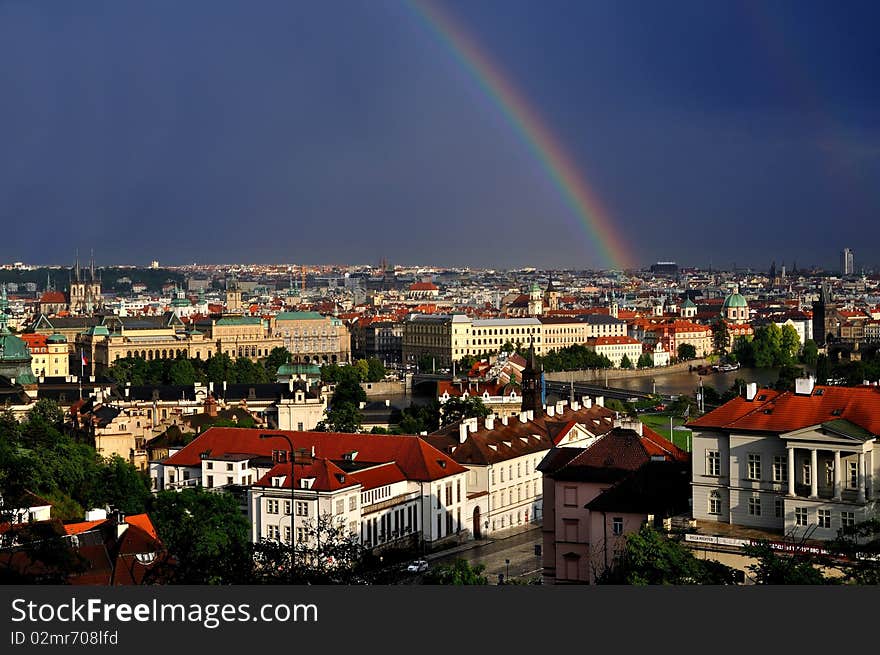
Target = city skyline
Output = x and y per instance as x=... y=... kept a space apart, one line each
x=559 y=136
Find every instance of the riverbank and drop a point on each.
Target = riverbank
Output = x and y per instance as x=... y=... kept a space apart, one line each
x=601 y=374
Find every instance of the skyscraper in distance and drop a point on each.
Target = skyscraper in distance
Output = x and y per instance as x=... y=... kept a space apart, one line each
x=846 y=262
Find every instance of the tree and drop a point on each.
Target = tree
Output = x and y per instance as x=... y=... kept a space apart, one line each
x=790 y=345
x=348 y=388
x=466 y=362
x=426 y=364
x=625 y=362
x=247 y=372
x=767 y=346
x=646 y=360
x=787 y=375
x=650 y=558
x=458 y=408
x=773 y=568
x=47 y=412
x=460 y=572
x=207 y=533
x=376 y=370
x=122 y=486
x=341 y=417
x=720 y=336
x=823 y=369
x=182 y=372
x=416 y=419
x=810 y=353
x=329 y=554
x=278 y=356
x=686 y=351
x=744 y=351
x=860 y=544
x=220 y=369
x=363 y=370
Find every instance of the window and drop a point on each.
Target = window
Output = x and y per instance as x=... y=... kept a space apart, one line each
x=228 y=480
x=287 y=534
x=287 y=507
x=847 y=519
x=570 y=498
x=272 y=532
x=829 y=473
x=352 y=503
x=228 y=466
x=458 y=491
x=755 y=506
x=754 y=466
x=617 y=525
x=571 y=529
x=780 y=469
x=853 y=475
x=713 y=462
x=301 y=535
x=777 y=504
x=449 y=494
x=824 y=518
x=808 y=474
x=800 y=516
x=714 y=502
x=302 y=508
x=340 y=506
x=209 y=465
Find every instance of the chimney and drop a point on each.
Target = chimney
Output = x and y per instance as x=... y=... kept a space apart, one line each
x=530 y=413
x=210 y=387
x=551 y=410
x=523 y=417
x=600 y=401
x=504 y=420
x=804 y=386
x=362 y=404
x=575 y=406
x=751 y=390
x=462 y=432
x=290 y=387
x=224 y=387
x=490 y=423
x=560 y=407
x=472 y=424
x=387 y=402
x=587 y=402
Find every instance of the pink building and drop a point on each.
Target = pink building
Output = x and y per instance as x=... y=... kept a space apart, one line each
x=595 y=496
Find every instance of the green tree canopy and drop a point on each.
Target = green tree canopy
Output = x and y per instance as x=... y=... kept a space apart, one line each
x=460 y=407
x=810 y=353
x=460 y=572
x=686 y=351
x=650 y=558
x=207 y=533
x=625 y=362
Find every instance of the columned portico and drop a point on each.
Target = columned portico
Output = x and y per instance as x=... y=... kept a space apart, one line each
x=791 y=473
x=836 y=475
x=814 y=473
x=861 y=478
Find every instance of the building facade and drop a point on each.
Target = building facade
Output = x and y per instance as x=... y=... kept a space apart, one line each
x=802 y=463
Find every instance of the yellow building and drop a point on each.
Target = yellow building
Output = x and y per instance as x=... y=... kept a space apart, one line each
x=311 y=337
x=49 y=355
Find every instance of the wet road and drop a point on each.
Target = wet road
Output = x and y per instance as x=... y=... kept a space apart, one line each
x=519 y=549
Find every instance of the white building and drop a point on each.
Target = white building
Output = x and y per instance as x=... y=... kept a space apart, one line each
x=800 y=463
x=390 y=490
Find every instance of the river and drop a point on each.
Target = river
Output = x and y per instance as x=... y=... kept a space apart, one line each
x=683 y=382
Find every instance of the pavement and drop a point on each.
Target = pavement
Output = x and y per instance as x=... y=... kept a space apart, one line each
x=510 y=552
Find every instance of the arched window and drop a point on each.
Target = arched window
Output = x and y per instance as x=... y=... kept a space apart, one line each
x=714 y=502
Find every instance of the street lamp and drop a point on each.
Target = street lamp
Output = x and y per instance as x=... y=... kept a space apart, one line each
x=292 y=490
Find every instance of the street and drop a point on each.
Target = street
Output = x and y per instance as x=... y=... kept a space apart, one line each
x=519 y=549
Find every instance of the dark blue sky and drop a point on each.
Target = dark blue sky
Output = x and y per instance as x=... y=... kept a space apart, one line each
x=342 y=131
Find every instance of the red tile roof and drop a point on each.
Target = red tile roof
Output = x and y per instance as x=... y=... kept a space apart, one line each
x=326 y=475
x=784 y=412
x=53 y=298
x=418 y=459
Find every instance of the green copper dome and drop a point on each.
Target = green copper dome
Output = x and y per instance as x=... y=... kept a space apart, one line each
x=56 y=338
x=688 y=303
x=734 y=300
x=15 y=358
x=298 y=369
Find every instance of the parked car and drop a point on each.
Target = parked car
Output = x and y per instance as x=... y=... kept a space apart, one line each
x=419 y=566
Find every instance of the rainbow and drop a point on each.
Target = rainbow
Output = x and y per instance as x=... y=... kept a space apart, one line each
x=527 y=124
